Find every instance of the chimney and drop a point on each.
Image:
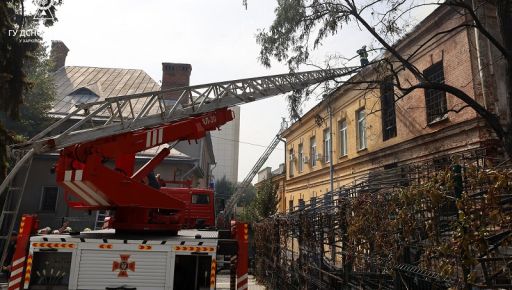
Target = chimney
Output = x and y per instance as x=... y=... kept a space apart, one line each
x=58 y=54
x=175 y=75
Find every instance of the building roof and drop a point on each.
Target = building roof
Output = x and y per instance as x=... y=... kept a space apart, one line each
x=82 y=84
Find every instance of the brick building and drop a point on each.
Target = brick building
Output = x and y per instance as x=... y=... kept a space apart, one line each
x=373 y=130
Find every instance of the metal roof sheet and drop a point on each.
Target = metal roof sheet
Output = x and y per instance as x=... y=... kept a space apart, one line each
x=101 y=83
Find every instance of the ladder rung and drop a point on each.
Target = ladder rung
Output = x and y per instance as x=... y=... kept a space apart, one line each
x=8 y=212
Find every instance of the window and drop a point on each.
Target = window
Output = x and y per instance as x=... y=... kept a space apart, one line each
x=49 y=198
x=327 y=145
x=312 y=201
x=342 y=125
x=290 y=205
x=312 y=150
x=387 y=100
x=290 y=166
x=435 y=100
x=361 y=129
x=301 y=157
x=200 y=199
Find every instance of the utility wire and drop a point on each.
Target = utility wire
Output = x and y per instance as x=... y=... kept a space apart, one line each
x=243 y=142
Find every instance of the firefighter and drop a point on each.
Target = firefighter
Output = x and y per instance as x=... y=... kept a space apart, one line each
x=363 y=55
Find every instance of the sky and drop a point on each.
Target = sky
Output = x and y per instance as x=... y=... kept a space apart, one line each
x=216 y=37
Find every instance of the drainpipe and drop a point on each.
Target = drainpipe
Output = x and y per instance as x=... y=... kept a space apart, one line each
x=478 y=39
x=331 y=165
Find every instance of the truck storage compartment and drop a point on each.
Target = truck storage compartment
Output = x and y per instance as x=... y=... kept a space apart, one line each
x=192 y=272
x=50 y=270
x=130 y=269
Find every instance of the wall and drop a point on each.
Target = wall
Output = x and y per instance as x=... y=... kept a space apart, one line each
x=225 y=146
x=415 y=140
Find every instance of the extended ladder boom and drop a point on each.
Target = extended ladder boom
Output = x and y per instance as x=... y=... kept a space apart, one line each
x=118 y=114
x=122 y=114
x=240 y=188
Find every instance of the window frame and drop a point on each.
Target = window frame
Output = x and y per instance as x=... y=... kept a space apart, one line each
x=435 y=73
x=312 y=151
x=300 y=157
x=290 y=163
x=43 y=195
x=199 y=194
x=388 y=109
x=327 y=145
x=342 y=128
x=362 y=143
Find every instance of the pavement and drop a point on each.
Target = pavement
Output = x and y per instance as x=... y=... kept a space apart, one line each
x=223 y=282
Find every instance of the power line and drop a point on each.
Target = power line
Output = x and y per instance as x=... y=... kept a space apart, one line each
x=243 y=142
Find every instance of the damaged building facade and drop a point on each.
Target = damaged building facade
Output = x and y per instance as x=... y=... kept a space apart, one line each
x=360 y=128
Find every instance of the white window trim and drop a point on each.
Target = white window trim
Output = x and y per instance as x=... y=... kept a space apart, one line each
x=361 y=134
x=300 y=157
x=327 y=145
x=344 y=136
x=312 y=153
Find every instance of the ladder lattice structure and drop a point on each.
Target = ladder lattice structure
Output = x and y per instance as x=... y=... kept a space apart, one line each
x=121 y=114
x=100 y=219
x=240 y=188
x=13 y=198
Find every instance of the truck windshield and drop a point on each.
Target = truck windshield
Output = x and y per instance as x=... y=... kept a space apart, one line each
x=200 y=199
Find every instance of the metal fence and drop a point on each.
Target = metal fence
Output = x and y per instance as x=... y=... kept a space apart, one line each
x=433 y=225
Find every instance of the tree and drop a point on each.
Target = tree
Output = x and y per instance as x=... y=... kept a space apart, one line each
x=248 y=195
x=301 y=25
x=19 y=43
x=37 y=101
x=267 y=199
x=224 y=189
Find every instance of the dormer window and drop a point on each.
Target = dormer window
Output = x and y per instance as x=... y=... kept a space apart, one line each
x=83 y=95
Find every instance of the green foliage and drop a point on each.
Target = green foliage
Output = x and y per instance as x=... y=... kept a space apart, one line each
x=423 y=224
x=16 y=52
x=248 y=196
x=289 y=37
x=262 y=205
x=37 y=101
x=267 y=199
x=224 y=189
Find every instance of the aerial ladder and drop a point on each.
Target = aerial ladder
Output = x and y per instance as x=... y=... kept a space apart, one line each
x=140 y=119
x=242 y=186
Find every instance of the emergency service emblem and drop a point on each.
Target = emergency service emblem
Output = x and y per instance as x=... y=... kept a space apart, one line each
x=123 y=266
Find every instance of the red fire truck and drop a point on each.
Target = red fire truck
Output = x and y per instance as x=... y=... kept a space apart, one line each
x=155 y=240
